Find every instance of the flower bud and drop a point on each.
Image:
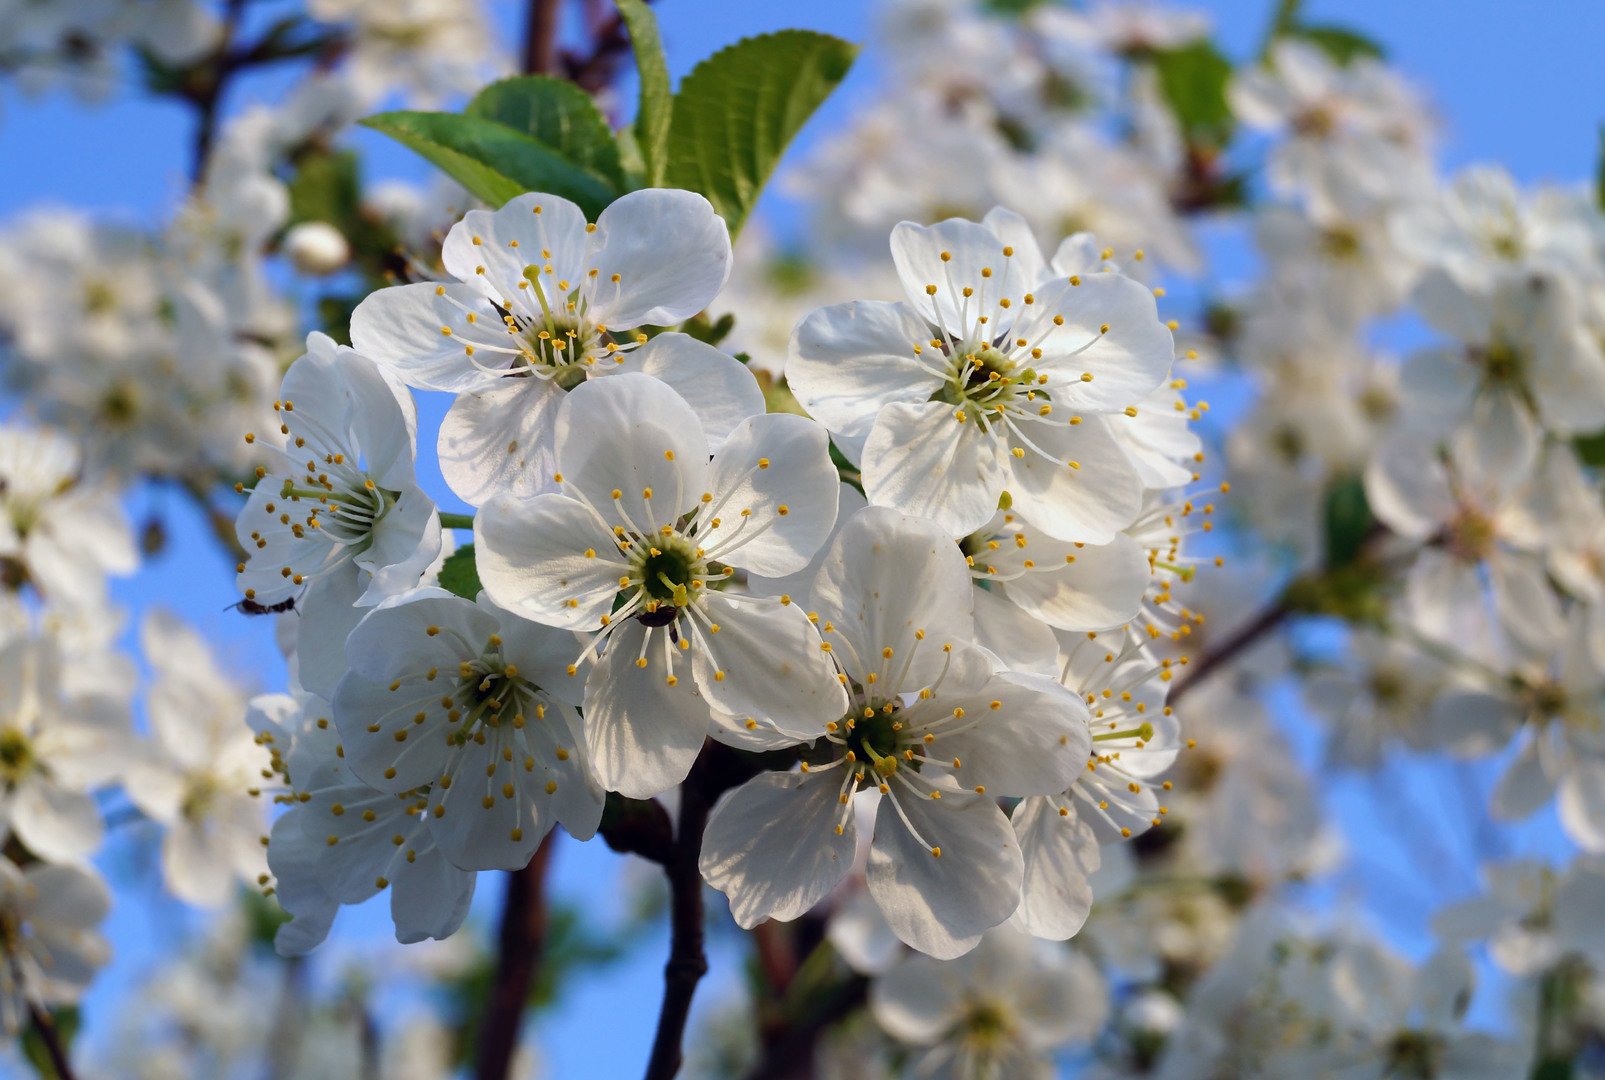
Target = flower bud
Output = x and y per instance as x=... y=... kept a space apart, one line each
x=316 y=247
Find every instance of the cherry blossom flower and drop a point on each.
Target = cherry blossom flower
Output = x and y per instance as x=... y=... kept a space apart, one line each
x=542 y=302
x=931 y=727
x=201 y=775
x=60 y=531
x=338 y=522
x=641 y=544
x=53 y=946
x=995 y=367
x=463 y=712
x=999 y=1011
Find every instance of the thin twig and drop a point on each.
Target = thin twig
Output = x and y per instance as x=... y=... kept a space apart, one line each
x=540 y=38
x=45 y=1027
x=688 y=960
x=207 y=95
x=1239 y=642
x=791 y=1054
x=522 y=941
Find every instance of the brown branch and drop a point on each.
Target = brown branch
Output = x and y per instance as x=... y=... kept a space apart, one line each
x=540 y=38
x=205 y=90
x=688 y=961
x=522 y=941
x=1239 y=642
x=45 y=1027
x=791 y=1053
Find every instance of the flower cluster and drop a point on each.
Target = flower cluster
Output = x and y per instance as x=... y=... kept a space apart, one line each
x=663 y=563
x=851 y=572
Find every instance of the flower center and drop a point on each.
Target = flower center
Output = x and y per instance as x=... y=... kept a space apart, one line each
x=1471 y=536
x=490 y=690
x=1502 y=363
x=986 y=1025
x=16 y=755
x=984 y=381
x=876 y=737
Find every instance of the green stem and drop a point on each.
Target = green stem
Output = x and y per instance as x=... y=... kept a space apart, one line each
x=456 y=521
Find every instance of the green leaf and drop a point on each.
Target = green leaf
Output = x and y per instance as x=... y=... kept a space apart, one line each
x=66 y=1020
x=1010 y=7
x=738 y=109
x=557 y=114
x=326 y=187
x=1283 y=19
x=1339 y=42
x=656 y=107
x=493 y=161
x=1192 y=80
x=1599 y=171
x=1348 y=520
x=459 y=575
x=1591 y=448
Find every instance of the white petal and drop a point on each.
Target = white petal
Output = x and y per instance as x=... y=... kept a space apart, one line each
x=1408 y=487
x=942 y=905
x=489 y=249
x=1031 y=737
x=400 y=328
x=196 y=865
x=890 y=581
x=849 y=361
x=671 y=251
x=498 y=440
x=1013 y=635
x=431 y=899
x=405 y=542
x=766 y=662
x=1525 y=787
x=921 y=460
x=1127 y=362
x=1088 y=501
x=1092 y=587
x=643 y=734
x=772 y=847
x=494 y=815
x=719 y=387
x=1061 y=853
x=1582 y=804
x=770 y=462
x=54 y=822
x=632 y=434
x=531 y=557
x=976 y=262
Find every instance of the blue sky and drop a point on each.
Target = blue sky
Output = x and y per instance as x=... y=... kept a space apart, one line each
x=1518 y=83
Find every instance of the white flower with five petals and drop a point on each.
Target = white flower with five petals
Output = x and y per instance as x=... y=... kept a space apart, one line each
x=468 y=708
x=542 y=302
x=933 y=728
x=991 y=378
x=642 y=543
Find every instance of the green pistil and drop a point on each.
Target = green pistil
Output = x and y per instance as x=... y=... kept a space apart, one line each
x=1143 y=731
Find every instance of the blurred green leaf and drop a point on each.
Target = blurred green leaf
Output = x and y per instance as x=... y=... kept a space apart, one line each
x=1192 y=80
x=737 y=111
x=1348 y=520
x=1599 y=171
x=1591 y=448
x=67 y=1020
x=1339 y=42
x=493 y=161
x=459 y=574
x=557 y=114
x=326 y=187
x=656 y=106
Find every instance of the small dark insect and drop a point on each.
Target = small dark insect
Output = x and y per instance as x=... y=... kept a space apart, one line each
x=663 y=616
x=251 y=607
